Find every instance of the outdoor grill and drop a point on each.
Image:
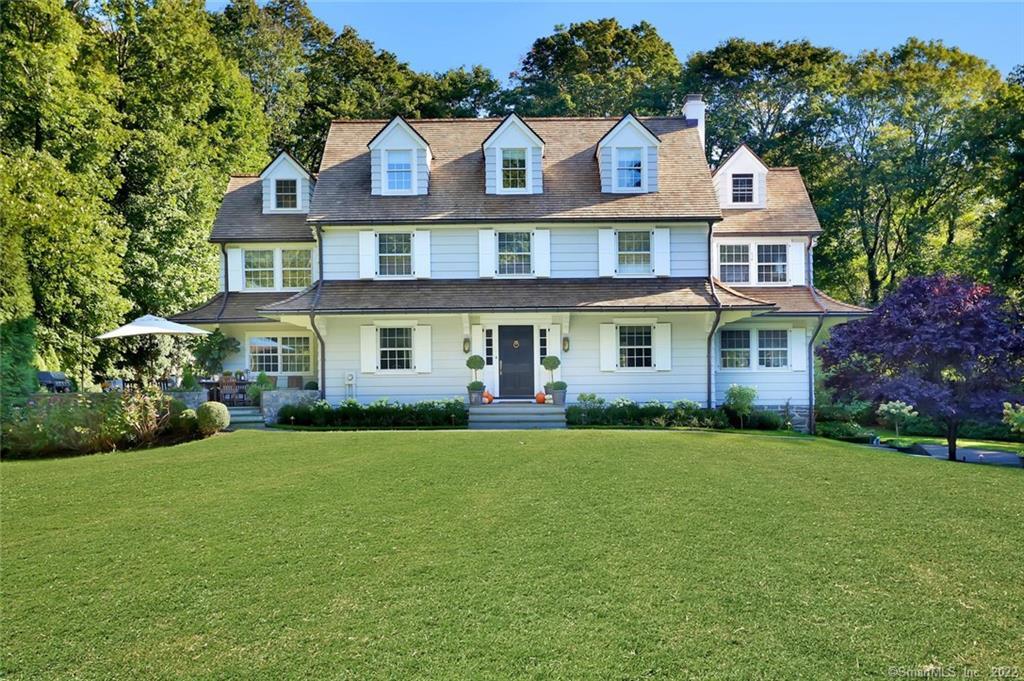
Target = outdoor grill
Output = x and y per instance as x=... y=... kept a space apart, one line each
x=54 y=381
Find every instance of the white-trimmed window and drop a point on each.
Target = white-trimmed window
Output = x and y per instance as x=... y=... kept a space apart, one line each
x=636 y=347
x=513 y=170
x=394 y=254
x=734 y=263
x=735 y=348
x=399 y=170
x=286 y=193
x=771 y=263
x=629 y=168
x=296 y=268
x=743 y=188
x=772 y=348
x=514 y=253
x=634 y=252
x=394 y=348
x=259 y=268
x=542 y=342
x=280 y=354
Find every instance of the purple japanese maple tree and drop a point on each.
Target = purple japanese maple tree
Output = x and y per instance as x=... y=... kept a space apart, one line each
x=948 y=346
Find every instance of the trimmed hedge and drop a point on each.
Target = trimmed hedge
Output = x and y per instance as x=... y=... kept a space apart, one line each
x=845 y=431
x=591 y=410
x=212 y=417
x=380 y=414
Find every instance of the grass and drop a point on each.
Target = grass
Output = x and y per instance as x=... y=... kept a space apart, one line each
x=904 y=439
x=468 y=555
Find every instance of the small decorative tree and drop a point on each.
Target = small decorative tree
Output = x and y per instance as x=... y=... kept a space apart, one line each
x=950 y=347
x=739 y=399
x=476 y=363
x=897 y=413
x=550 y=363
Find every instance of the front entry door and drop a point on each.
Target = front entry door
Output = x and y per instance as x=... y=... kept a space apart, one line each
x=515 y=361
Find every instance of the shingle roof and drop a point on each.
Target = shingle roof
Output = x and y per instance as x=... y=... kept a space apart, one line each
x=240 y=307
x=789 y=209
x=800 y=300
x=241 y=216
x=490 y=295
x=572 y=188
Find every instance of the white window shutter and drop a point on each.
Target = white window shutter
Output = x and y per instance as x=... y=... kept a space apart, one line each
x=367 y=255
x=236 y=270
x=421 y=349
x=368 y=349
x=663 y=347
x=608 y=348
x=542 y=253
x=476 y=339
x=798 y=349
x=421 y=254
x=555 y=340
x=606 y=252
x=662 y=247
x=487 y=255
x=795 y=263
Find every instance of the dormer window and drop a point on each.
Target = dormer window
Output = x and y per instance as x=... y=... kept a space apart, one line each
x=629 y=168
x=513 y=169
x=399 y=170
x=286 y=194
x=743 y=188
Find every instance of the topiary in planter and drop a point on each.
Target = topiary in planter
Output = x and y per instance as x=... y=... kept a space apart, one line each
x=475 y=387
x=212 y=417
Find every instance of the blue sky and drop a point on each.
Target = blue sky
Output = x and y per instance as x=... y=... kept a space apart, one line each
x=434 y=36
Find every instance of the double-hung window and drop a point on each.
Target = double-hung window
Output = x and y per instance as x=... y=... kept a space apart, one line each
x=514 y=253
x=771 y=263
x=394 y=254
x=735 y=348
x=394 y=347
x=399 y=170
x=281 y=354
x=286 y=193
x=734 y=263
x=629 y=168
x=259 y=269
x=743 y=188
x=513 y=169
x=296 y=268
x=634 y=256
x=636 y=347
x=772 y=348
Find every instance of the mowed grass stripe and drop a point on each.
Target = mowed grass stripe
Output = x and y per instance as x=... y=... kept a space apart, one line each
x=573 y=554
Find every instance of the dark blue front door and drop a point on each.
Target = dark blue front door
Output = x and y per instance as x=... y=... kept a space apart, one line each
x=515 y=361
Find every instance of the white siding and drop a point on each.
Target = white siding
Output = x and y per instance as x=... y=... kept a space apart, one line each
x=341 y=255
x=652 y=169
x=689 y=251
x=376 y=171
x=490 y=170
x=453 y=254
x=774 y=386
x=573 y=252
x=605 y=163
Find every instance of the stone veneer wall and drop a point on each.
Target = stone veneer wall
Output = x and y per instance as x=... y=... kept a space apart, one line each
x=192 y=400
x=800 y=416
x=273 y=400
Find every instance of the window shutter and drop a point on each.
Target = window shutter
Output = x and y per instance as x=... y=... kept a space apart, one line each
x=608 y=348
x=663 y=347
x=236 y=272
x=421 y=349
x=476 y=339
x=421 y=254
x=367 y=255
x=798 y=349
x=555 y=340
x=487 y=255
x=368 y=349
x=542 y=253
x=662 y=247
x=795 y=264
x=606 y=252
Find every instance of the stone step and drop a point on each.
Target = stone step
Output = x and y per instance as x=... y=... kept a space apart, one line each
x=518 y=425
x=503 y=418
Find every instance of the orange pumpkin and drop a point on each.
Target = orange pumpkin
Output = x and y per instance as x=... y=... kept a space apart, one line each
x=488 y=398
x=541 y=398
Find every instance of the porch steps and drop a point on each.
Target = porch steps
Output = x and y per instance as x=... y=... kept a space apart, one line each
x=246 y=417
x=516 y=416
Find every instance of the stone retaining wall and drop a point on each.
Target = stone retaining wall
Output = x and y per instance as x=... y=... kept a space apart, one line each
x=192 y=400
x=800 y=416
x=273 y=400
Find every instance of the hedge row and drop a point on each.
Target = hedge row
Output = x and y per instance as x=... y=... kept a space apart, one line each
x=595 y=411
x=380 y=414
x=863 y=415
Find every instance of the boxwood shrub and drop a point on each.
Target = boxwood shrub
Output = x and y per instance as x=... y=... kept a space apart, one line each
x=382 y=414
x=591 y=410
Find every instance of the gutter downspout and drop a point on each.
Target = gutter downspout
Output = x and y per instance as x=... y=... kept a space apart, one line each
x=718 y=319
x=224 y=259
x=810 y=343
x=312 y=312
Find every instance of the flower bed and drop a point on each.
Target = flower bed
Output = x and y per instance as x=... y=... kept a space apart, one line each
x=382 y=414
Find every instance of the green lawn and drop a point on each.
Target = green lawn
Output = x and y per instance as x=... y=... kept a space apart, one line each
x=997 y=445
x=449 y=555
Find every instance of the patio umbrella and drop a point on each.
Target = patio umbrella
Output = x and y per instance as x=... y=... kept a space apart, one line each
x=151 y=325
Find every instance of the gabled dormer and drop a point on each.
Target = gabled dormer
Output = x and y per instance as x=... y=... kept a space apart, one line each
x=287 y=185
x=513 y=158
x=399 y=161
x=741 y=180
x=628 y=158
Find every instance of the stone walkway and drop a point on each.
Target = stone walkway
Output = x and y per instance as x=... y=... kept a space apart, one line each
x=972 y=455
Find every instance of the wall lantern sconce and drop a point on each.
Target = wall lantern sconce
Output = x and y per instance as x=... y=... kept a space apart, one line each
x=565 y=344
x=465 y=345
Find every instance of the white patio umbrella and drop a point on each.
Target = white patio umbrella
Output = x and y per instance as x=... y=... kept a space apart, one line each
x=151 y=325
